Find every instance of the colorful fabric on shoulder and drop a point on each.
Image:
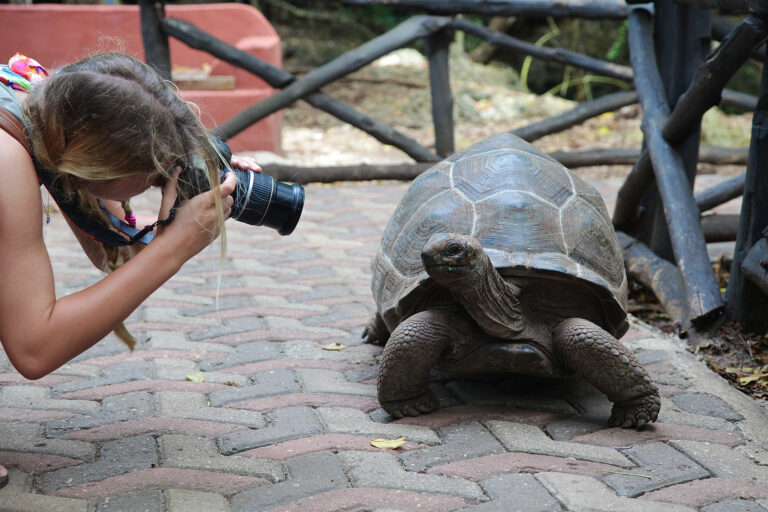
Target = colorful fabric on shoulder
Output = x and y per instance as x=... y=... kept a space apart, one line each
x=22 y=73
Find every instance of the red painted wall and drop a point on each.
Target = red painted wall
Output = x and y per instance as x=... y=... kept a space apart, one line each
x=56 y=34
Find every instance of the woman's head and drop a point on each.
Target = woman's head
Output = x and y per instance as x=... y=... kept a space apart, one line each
x=109 y=117
x=110 y=126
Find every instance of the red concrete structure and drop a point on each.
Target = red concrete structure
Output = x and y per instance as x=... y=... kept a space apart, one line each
x=58 y=34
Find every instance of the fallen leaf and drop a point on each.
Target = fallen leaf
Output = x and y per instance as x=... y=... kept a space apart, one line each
x=388 y=444
x=196 y=377
x=333 y=346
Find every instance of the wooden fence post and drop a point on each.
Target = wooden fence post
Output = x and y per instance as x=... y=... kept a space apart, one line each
x=438 y=52
x=746 y=303
x=156 y=51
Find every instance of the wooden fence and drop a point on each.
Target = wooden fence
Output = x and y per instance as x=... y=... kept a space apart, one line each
x=676 y=80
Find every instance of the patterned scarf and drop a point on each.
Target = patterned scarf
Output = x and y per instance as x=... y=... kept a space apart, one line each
x=22 y=73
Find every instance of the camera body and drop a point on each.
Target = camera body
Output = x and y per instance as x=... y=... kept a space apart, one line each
x=260 y=200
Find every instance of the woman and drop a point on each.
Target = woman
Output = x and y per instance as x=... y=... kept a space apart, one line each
x=109 y=127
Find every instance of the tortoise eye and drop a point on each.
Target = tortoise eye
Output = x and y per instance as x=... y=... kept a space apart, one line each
x=453 y=250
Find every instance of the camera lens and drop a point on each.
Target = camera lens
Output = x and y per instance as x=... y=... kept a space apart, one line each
x=261 y=200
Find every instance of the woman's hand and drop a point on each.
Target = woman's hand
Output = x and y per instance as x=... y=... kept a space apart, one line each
x=195 y=224
x=244 y=163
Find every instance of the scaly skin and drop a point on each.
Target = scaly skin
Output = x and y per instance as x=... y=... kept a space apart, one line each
x=375 y=331
x=413 y=349
x=583 y=347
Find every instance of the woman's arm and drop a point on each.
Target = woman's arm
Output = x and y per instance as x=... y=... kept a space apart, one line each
x=40 y=332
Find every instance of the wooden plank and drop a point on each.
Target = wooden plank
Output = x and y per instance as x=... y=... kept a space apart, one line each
x=440 y=87
x=209 y=83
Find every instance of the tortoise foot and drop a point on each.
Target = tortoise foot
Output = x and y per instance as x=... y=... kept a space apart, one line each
x=412 y=406
x=635 y=413
x=375 y=332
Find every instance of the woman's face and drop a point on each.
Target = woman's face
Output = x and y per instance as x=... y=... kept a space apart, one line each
x=122 y=189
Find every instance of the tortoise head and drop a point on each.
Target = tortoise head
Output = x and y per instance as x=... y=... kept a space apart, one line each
x=451 y=257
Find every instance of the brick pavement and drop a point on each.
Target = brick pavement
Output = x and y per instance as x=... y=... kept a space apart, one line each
x=279 y=423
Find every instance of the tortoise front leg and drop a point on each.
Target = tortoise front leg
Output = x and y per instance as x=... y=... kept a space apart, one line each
x=410 y=354
x=597 y=356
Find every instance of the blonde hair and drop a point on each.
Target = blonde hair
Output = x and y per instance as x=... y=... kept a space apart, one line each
x=111 y=116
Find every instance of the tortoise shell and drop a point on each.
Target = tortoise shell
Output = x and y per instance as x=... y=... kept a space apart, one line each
x=532 y=216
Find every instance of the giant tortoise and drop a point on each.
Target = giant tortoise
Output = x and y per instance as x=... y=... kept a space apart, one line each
x=496 y=260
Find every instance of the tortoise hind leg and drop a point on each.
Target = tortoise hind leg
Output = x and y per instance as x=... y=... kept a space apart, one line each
x=375 y=331
x=412 y=350
x=597 y=356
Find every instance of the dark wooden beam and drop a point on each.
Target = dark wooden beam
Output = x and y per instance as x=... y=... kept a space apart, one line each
x=156 y=51
x=607 y=9
x=438 y=45
x=746 y=302
x=682 y=215
x=278 y=78
x=417 y=27
x=561 y=56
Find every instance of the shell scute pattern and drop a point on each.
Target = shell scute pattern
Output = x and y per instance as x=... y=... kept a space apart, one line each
x=531 y=215
x=518 y=222
x=481 y=176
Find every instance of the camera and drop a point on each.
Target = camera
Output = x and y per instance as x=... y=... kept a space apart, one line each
x=260 y=200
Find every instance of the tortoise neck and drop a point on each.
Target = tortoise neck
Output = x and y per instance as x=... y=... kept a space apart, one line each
x=491 y=301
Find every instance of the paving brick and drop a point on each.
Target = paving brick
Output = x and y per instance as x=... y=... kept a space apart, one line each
x=14 y=378
x=308 y=474
x=182 y=500
x=113 y=409
x=247 y=353
x=711 y=490
x=314 y=351
x=280 y=364
x=582 y=493
x=707 y=405
x=143 y=426
x=658 y=432
x=179 y=369
x=351 y=421
x=662 y=465
x=379 y=469
x=13 y=438
x=328 y=381
x=528 y=496
x=8 y=414
x=460 y=442
x=33 y=397
x=374 y=500
x=123 y=372
x=15 y=498
x=115 y=458
x=284 y=424
x=171 y=340
x=162 y=478
x=195 y=406
x=722 y=461
x=519 y=437
x=102 y=392
x=734 y=506
x=189 y=452
x=485 y=467
x=149 y=500
x=323 y=442
x=671 y=413
x=36 y=462
x=268 y=383
x=365 y=404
